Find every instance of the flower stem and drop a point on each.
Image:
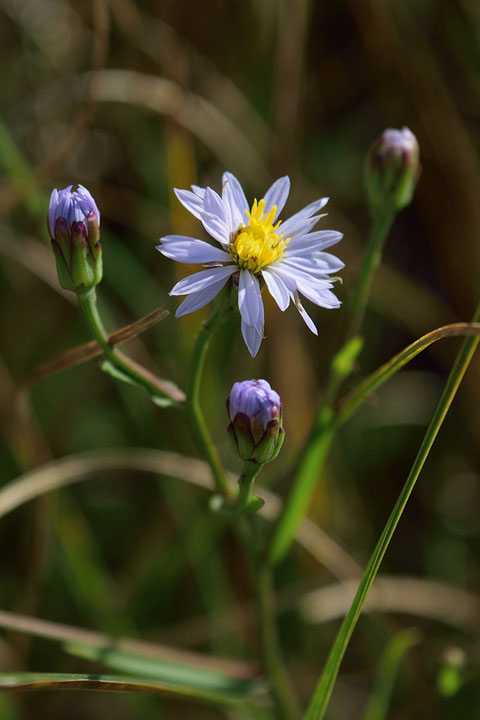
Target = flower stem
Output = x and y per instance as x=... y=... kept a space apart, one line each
x=325 y=685
x=381 y=224
x=245 y=482
x=193 y=400
x=325 y=426
x=138 y=374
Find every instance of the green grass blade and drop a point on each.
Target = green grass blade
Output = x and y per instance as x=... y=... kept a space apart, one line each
x=373 y=382
x=172 y=673
x=399 y=645
x=323 y=691
x=114 y=683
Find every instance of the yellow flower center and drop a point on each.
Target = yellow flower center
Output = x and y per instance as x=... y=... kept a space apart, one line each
x=258 y=243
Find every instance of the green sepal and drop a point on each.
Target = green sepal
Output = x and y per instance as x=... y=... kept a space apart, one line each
x=243 y=435
x=63 y=271
x=266 y=449
x=82 y=263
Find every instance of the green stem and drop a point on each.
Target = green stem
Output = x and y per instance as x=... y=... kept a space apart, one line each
x=303 y=486
x=193 y=400
x=245 y=482
x=141 y=376
x=286 y=703
x=381 y=224
x=325 y=685
x=315 y=453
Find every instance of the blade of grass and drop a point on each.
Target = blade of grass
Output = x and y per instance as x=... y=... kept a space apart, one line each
x=397 y=648
x=116 y=683
x=326 y=427
x=351 y=402
x=324 y=688
x=174 y=673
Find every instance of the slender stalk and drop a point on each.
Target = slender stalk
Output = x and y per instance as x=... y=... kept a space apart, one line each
x=381 y=224
x=303 y=486
x=323 y=691
x=138 y=374
x=193 y=400
x=316 y=450
x=245 y=482
x=286 y=702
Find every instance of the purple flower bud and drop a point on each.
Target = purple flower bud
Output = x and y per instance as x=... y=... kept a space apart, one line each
x=255 y=412
x=74 y=227
x=392 y=169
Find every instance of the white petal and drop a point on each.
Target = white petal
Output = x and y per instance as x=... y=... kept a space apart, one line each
x=197 y=300
x=237 y=196
x=318 y=264
x=190 y=250
x=287 y=278
x=212 y=203
x=300 y=229
x=253 y=339
x=277 y=289
x=320 y=296
x=233 y=217
x=318 y=291
x=308 y=320
x=260 y=324
x=277 y=195
x=249 y=297
x=200 y=280
x=302 y=215
x=198 y=190
x=216 y=228
x=314 y=241
x=192 y=202
x=294 y=276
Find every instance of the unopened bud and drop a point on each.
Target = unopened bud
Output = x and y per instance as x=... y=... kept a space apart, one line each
x=255 y=411
x=74 y=227
x=392 y=169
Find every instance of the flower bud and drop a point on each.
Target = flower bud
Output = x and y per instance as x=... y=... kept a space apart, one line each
x=255 y=411
x=392 y=169
x=74 y=227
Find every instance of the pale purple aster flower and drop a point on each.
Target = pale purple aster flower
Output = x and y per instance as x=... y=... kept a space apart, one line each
x=254 y=245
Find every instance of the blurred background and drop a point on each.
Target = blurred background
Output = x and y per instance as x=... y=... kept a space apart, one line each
x=132 y=99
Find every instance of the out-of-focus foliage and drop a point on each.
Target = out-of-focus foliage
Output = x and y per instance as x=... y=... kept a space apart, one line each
x=131 y=100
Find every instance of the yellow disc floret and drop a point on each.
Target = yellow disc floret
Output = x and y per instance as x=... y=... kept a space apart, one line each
x=258 y=244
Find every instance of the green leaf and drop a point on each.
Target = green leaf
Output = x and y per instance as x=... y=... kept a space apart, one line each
x=162 y=402
x=108 y=367
x=173 y=673
x=111 y=369
x=115 y=683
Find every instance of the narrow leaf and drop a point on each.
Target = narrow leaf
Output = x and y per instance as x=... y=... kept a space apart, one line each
x=174 y=673
x=113 y=683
